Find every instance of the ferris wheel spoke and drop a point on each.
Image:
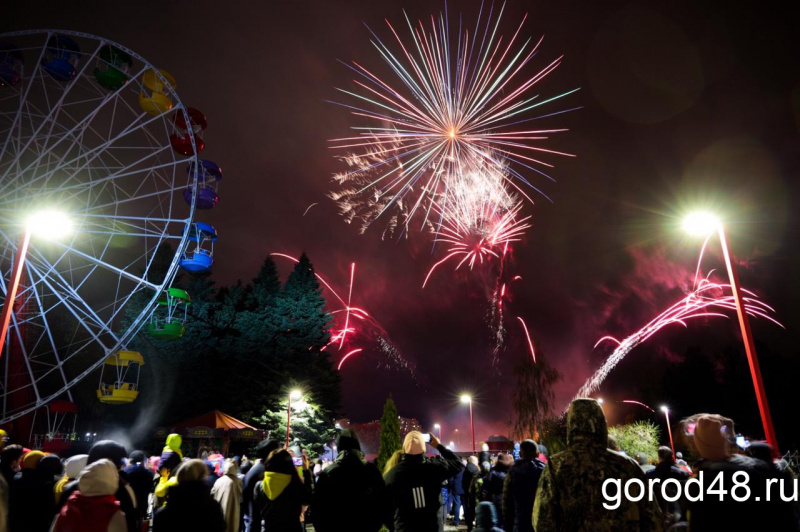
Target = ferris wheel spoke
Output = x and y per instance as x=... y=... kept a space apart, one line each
x=87 y=314
x=56 y=108
x=133 y=127
x=49 y=334
x=80 y=125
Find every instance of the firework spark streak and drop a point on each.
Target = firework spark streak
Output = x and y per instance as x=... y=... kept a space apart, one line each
x=453 y=101
x=528 y=336
x=632 y=402
x=708 y=299
x=368 y=327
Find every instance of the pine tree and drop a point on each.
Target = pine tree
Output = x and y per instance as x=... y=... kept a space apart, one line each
x=390 y=433
x=533 y=396
x=300 y=311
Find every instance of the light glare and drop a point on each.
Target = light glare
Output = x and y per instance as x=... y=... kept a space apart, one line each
x=701 y=223
x=466 y=398
x=49 y=224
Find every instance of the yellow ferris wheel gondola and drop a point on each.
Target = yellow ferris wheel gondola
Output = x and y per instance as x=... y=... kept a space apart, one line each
x=120 y=385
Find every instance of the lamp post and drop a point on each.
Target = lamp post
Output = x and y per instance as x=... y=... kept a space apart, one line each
x=467 y=399
x=296 y=395
x=46 y=224
x=669 y=430
x=439 y=429
x=704 y=224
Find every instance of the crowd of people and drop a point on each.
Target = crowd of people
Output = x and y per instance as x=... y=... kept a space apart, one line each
x=281 y=490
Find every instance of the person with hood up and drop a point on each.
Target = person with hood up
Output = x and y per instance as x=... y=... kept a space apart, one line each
x=486 y=520
x=519 y=491
x=414 y=485
x=72 y=468
x=111 y=450
x=492 y=489
x=254 y=476
x=171 y=456
x=140 y=479
x=31 y=505
x=713 y=440
x=570 y=496
x=227 y=491
x=281 y=497
x=93 y=507
x=189 y=505
x=349 y=488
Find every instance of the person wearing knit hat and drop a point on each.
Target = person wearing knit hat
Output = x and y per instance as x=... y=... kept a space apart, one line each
x=93 y=507
x=519 y=492
x=414 y=485
x=31 y=505
x=712 y=436
x=72 y=468
x=350 y=487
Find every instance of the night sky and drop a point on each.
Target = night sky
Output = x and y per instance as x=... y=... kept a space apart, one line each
x=684 y=105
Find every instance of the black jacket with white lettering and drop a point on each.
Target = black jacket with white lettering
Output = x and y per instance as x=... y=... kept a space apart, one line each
x=414 y=487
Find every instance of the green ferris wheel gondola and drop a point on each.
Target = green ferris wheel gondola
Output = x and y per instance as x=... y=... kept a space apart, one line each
x=168 y=322
x=112 y=70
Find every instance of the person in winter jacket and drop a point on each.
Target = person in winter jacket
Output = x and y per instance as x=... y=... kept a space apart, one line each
x=414 y=485
x=171 y=456
x=10 y=462
x=519 y=491
x=281 y=497
x=570 y=496
x=471 y=474
x=52 y=471
x=72 y=468
x=140 y=479
x=349 y=488
x=93 y=507
x=254 y=476
x=455 y=492
x=189 y=505
x=713 y=441
x=227 y=491
x=115 y=452
x=492 y=490
x=30 y=501
x=487 y=518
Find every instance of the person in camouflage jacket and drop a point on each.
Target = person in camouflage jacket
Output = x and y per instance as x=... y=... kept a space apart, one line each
x=570 y=497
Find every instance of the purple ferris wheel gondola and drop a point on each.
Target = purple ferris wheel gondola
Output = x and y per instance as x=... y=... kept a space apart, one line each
x=207 y=176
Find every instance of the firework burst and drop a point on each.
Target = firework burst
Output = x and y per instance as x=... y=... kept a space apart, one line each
x=452 y=101
x=708 y=299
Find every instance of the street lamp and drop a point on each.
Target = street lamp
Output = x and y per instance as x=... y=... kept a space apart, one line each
x=669 y=430
x=49 y=225
x=467 y=399
x=438 y=428
x=704 y=224
x=296 y=395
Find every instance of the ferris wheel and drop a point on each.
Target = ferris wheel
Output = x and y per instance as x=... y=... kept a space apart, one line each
x=94 y=130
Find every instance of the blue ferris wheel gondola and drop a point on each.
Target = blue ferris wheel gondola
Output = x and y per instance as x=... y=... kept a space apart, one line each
x=62 y=56
x=198 y=257
x=208 y=176
x=11 y=61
